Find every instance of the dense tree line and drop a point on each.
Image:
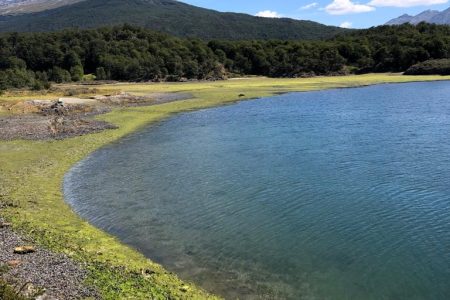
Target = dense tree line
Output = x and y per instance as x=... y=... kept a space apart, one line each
x=116 y=53
x=380 y=49
x=137 y=54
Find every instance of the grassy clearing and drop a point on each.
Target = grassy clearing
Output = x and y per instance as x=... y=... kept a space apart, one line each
x=31 y=175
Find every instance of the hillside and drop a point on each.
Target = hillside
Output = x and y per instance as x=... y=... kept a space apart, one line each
x=429 y=16
x=169 y=16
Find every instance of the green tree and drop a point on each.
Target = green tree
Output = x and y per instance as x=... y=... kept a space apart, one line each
x=76 y=73
x=100 y=74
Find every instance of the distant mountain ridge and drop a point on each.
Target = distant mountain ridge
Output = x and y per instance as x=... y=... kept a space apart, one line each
x=173 y=17
x=429 y=16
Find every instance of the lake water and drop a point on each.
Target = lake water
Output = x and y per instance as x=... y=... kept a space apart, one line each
x=338 y=194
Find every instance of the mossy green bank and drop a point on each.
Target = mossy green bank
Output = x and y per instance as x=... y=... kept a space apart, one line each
x=31 y=176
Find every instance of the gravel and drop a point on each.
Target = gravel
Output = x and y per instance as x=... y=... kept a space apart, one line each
x=69 y=117
x=42 y=272
x=37 y=127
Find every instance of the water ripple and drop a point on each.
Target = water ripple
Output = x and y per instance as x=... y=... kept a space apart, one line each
x=339 y=194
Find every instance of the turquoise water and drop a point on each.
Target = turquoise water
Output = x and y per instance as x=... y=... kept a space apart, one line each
x=339 y=194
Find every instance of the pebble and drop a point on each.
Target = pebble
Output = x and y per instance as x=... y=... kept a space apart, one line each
x=24 y=250
x=46 y=297
x=147 y=273
x=13 y=263
x=184 y=288
x=4 y=225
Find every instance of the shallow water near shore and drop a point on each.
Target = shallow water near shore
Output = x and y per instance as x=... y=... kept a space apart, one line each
x=339 y=194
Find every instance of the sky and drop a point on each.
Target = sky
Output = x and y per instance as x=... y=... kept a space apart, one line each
x=344 y=13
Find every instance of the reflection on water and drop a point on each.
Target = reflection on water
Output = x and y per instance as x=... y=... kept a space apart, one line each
x=341 y=194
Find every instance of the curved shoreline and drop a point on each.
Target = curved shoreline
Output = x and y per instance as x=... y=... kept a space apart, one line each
x=31 y=175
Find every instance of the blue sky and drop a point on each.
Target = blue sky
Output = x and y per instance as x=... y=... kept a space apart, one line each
x=346 y=13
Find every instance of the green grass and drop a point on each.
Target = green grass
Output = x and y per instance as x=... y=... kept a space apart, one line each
x=31 y=175
x=8 y=293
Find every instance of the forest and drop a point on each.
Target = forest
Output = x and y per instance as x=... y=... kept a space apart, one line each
x=130 y=53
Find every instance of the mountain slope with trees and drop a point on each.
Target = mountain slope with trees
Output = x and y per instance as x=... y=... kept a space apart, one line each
x=169 y=16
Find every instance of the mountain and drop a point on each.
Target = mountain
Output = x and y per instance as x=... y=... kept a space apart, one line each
x=168 y=16
x=14 y=7
x=429 y=16
x=442 y=18
x=400 y=20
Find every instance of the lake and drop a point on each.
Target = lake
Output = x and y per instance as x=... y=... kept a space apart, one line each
x=337 y=194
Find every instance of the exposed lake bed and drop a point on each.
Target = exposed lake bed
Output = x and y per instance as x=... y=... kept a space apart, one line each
x=340 y=192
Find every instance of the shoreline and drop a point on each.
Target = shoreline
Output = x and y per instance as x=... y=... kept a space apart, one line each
x=32 y=172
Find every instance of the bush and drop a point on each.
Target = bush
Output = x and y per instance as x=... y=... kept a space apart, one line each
x=16 y=78
x=37 y=86
x=430 y=67
x=89 y=77
x=100 y=74
x=42 y=78
x=60 y=75
x=76 y=73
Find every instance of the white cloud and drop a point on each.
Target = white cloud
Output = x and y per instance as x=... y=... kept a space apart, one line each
x=405 y=3
x=344 y=7
x=268 y=14
x=309 y=6
x=346 y=25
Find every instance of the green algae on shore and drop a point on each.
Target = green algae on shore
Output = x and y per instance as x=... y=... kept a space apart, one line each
x=31 y=174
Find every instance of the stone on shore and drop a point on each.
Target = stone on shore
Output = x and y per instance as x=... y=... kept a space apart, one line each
x=13 y=263
x=4 y=225
x=24 y=250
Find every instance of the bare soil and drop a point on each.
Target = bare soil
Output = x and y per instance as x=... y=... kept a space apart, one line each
x=69 y=117
x=37 y=127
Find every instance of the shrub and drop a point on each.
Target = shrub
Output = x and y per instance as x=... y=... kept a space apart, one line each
x=60 y=75
x=89 y=77
x=16 y=78
x=76 y=73
x=430 y=67
x=100 y=73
